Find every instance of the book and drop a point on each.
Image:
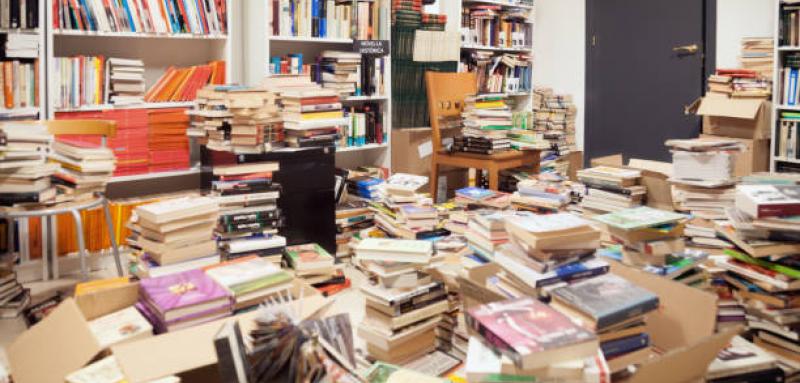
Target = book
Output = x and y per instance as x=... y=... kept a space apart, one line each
x=176 y=209
x=398 y=250
x=740 y=357
x=183 y=295
x=103 y=370
x=125 y=325
x=244 y=275
x=639 y=218
x=309 y=258
x=617 y=347
x=531 y=333
x=763 y=201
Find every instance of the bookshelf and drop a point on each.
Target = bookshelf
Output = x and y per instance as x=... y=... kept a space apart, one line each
x=262 y=44
x=28 y=111
x=779 y=162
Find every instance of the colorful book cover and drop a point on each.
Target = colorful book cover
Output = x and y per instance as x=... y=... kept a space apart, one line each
x=475 y=193
x=176 y=291
x=309 y=255
x=639 y=218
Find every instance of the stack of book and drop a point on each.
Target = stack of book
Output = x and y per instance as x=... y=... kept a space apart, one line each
x=487 y=121
x=209 y=119
x=340 y=72
x=351 y=218
x=407 y=220
x=84 y=169
x=312 y=117
x=701 y=234
x=175 y=232
x=472 y=196
x=526 y=340
x=404 y=308
x=545 y=193
x=407 y=13
x=22 y=45
x=610 y=189
x=181 y=300
x=486 y=231
x=554 y=117
x=703 y=176
x=433 y=22
x=249 y=280
x=743 y=361
x=363 y=186
x=491 y=26
x=255 y=124
x=740 y=83
x=124 y=81
x=757 y=55
x=616 y=310
x=24 y=174
x=650 y=237
x=312 y=18
x=182 y=84
x=311 y=262
x=13 y=297
x=205 y=18
x=249 y=213
x=167 y=141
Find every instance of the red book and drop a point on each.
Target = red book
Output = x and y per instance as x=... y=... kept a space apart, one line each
x=202 y=10
x=319 y=100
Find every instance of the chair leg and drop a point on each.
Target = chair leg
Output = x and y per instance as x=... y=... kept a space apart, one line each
x=434 y=180
x=112 y=236
x=81 y=244
x=494 y=178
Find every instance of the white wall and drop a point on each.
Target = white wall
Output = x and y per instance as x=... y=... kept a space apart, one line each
x=737 y=19
x=559 y=51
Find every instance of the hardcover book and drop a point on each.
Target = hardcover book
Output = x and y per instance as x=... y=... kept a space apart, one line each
x=247 y=274
x=187 y=293
x=308 y=257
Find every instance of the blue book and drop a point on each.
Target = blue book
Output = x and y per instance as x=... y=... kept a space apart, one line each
x=792 y=99
x=625 y=345
x=129 y=14
x=293 y=9
x=89 y=19
x=323 y=20
x=475 y=193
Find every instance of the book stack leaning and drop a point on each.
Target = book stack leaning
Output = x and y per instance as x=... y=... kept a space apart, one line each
x=24 y=172
x=256 y=124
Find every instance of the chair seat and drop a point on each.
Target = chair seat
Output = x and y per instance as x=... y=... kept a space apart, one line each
x=500 y=156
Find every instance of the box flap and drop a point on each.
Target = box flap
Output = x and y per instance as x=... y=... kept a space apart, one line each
x=614 y=160
x=685 y=314
x=730 y=107
x=102 y=302
x=651 y=168
x=58 y=345
x=691 y=362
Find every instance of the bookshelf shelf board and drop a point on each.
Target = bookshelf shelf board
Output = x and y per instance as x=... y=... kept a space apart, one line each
x=789 y=107
x=790 y=160
x=364 y=98
x=500 y=3
x=27 y=31
x=138 y=35
x=303 y=39
x=361 y=148
x=789 y=48
x=147 y=105
x=498 y=49
x=149 y=176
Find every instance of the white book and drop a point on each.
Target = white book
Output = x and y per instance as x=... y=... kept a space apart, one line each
x=253 y=244
x=120 y=326
x=178 y=208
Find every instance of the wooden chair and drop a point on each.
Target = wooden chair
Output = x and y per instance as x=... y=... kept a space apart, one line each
x=48 y=213
x=446 y=94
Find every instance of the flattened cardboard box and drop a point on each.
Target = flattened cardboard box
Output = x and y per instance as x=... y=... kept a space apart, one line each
x=64 y=342
x=736 y=118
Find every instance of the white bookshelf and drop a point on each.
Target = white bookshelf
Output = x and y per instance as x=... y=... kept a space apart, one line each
x=31 y=112
x=261 y=45
x=777 y=91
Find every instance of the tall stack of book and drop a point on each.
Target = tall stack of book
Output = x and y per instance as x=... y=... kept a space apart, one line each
x=210 y=118
x=365 y=126
x=554 y=117
x=404 y=308
x=84 y=168
x=181 y=300
x=167 y=141
x=249 y=280
x=124 y=81
x=407 y=13
x=312 y=263
x=249 y=216
x=340 y=72
x=20 y=85
x=757 y=55
x=23 y=168
x=491 y=26
x=649 y=237
x=702 y=175
x=312 y=117
x=487 y=121
x=616 y=310
x=176 y=232
x=14 y=298
x=312 y=18
x=205 y=18
x=611 y=189
x=256 y=124
x=526 y=340
x=545 y=193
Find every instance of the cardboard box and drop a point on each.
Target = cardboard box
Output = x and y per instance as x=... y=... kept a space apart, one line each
x=737 y=118
x=683 y=325
x=655 y=176
x=63 y=343
x=411 y=153
x=754 y=158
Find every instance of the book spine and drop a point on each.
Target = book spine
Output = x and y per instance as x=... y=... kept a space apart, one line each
x=629 y=312
x=625 y=345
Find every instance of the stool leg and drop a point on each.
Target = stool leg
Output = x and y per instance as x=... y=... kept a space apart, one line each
x=112 y=236
x=81 y=244
x=11 y=239
x=45 y=247
x=54 y=243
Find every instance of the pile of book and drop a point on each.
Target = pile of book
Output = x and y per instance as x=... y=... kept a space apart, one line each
x=249 y=280
x=84 y=169
x=743 y=361
x=204 y=18
x=546 y=192
x=364 y=126
x=499 y=73
x=185 y=299
x=703 y=175
x=332 y=20
x=740 y=83
x=407 y=220
x=124 y=81
x=340 y=72
x=351 y=218
x=757 y=55
x=312 y=263
x=487 y=121
x=404 y=307
x=24 y=173
x=486 y=232
x=255 y=122
x=249 y=214
x=615 y=309
x=167 y=141
x=182 y=84
x=526 y=340
x=22 y=45
x=407 y=13
x=492 y=26
x=174 y=235
x=610 y=189
x=312 y=117
x=554 y=117
x=210 y=118
x=13 y=297
x=701 y=234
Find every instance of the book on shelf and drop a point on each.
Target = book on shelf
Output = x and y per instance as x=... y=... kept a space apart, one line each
x=21 y=45
x=182 y=84
x=492 y=26
x=79 y=81
x=20 y=82
x=365 y=126
x=788 y=145
x=367 y=20
x=124 y=81
x=499 y=73
x=19 y=14
x=147 y=16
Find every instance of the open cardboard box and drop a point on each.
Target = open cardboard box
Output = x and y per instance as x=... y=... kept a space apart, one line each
x=736 y=118
x=655 y=176
x=753 y=158
x=62 y=342
x=682 y=327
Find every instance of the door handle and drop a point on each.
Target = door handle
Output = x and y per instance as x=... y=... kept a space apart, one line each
x=686 y=49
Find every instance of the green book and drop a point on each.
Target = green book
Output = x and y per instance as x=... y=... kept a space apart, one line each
x=785 y=270
x=639 y=218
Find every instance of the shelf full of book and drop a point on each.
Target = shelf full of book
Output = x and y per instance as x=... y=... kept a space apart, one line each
x=22 y=77
x=784 y=144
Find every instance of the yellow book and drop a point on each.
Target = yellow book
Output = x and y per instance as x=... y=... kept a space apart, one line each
x=322 y=115
x=100 y=284
x=489 y=104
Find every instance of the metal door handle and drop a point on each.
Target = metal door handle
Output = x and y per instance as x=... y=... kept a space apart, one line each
x=686 y=49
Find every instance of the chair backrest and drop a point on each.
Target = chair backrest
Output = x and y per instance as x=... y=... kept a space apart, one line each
x=106 y=128
x=446 y=94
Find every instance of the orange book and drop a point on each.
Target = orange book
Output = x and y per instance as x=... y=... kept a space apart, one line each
x=218 y=72
x=173 y=88
x=8 y=83
x=151 y=94
x=36 y=82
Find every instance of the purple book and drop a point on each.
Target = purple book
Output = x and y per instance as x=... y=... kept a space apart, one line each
x=188 y=294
